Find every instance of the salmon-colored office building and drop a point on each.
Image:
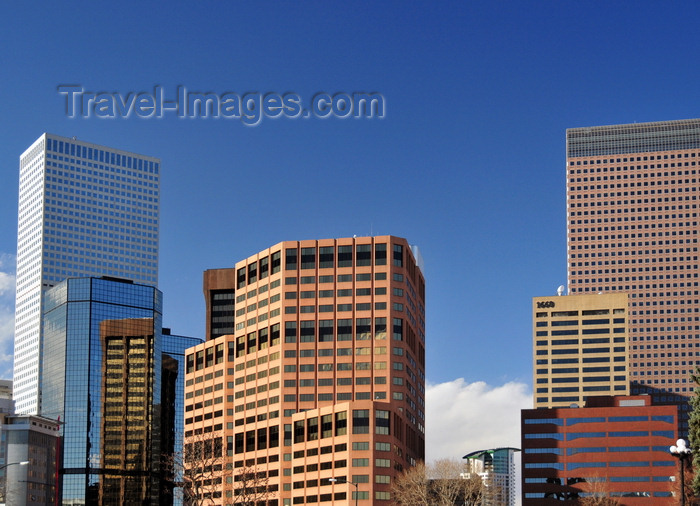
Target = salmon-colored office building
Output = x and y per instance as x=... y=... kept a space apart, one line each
x=633 y=200
x=317 y=396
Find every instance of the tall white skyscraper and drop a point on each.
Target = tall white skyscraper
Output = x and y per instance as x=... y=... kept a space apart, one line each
x=84 y=210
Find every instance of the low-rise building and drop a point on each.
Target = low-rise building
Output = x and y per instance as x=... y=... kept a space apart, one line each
x=616 y=447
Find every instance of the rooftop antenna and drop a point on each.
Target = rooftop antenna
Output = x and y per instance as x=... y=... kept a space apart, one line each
x=560 y=290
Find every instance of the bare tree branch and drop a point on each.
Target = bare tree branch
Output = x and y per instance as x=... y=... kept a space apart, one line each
x=442 y=483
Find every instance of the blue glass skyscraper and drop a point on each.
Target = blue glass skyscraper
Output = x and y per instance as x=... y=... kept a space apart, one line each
x=104 y=376
x=174 y=378
x=84 y=210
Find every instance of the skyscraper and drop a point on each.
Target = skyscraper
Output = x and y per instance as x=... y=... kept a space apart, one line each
x=633 y=200
x=84 y=210
x=103 y=376
x=318 y=396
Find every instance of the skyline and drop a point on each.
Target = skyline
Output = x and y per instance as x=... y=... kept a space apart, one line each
x=478 y=99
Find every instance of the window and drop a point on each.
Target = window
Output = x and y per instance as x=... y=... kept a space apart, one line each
x=360 y=421
x=380 y=254
x=325 y=330
x=344 y=256
x=341 y=423
x=290 y=261
x=381 y=422
x=363 y=255
x=325 y=257
x=398 y=255
x=308 y=258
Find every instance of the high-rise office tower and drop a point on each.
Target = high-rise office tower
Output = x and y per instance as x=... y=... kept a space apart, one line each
x=103 y=376
x=580 y=348
x=318 y=394
x=633 y=200
x=84 y=210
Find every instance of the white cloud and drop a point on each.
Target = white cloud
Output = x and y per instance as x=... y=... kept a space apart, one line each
x=7 y=313
x=464 y=417
x=7 y=283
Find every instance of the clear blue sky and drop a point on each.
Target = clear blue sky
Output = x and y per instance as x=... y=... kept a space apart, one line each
x=468 y=163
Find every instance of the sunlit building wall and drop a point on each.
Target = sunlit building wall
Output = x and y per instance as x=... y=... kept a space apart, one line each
x=84 y=210
x=323 y=377
x=633 y=205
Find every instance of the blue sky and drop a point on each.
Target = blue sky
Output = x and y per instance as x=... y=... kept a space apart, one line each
x=468 y=163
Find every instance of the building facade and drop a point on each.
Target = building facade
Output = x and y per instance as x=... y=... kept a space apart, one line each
x=496 y=468
x=84 y=210
x=29 y=448
x=103 y=376
x=580 y=348
x=173 y=409
x=219 y=295
x=632 y=205
x=323 y=377
x=614 y=447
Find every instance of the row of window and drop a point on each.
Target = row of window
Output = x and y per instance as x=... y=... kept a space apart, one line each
x=595 y=449
x=599 y=419
x=572 y=436
x=323 y=257
x=570 y=466
x=625 y=160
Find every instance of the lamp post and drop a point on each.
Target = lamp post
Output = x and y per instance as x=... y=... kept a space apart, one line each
x=23 y=463
x=682 y=453
x=357 y=488
x=5 y=488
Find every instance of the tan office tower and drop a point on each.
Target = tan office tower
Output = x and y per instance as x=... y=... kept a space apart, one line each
x=632 y=204
x=580 y=348
x=318 y=396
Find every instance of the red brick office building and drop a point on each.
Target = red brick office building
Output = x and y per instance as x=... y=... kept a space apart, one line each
x=614 y=446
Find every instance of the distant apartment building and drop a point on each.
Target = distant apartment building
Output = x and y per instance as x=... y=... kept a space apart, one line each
x=318 y=395
x=614 y=447
x=496 y=468
x=84 y=210
x=580 y=348
x=633 y=204
x=104 y=376
x=28 y=449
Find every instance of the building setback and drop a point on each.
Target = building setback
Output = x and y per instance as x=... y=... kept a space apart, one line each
x=322 y=378
x=632 y=205
x=580 y=348
x=84 y=210
x=615 y=447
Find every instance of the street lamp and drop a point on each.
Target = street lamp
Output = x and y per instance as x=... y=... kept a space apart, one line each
x=341 y=480
x=23 y=463
x=682 y=453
